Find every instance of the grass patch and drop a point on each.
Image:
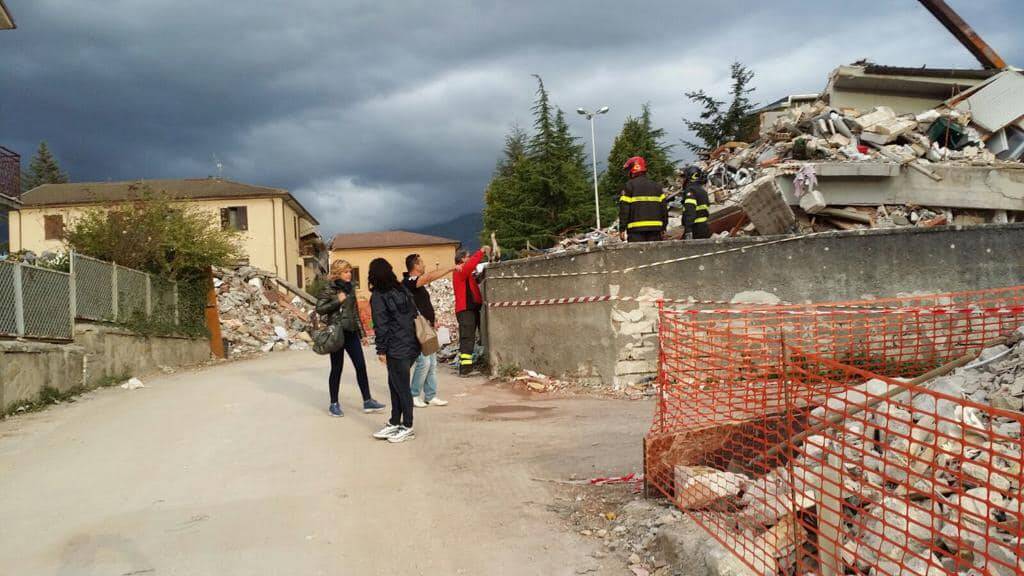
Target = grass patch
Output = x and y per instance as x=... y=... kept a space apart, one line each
x=50 y=396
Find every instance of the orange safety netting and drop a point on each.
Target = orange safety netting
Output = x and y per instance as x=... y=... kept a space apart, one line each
x=793 y=435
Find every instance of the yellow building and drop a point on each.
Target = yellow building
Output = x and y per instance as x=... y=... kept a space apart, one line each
x=270 y=219
x=6 y=20
x=394 y=246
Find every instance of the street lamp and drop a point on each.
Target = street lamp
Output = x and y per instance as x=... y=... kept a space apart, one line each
x=593 y=156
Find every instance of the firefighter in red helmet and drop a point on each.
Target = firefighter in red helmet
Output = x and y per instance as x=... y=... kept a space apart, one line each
x=643 y=213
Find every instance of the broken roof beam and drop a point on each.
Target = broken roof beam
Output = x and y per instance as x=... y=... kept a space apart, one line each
x=964 y=33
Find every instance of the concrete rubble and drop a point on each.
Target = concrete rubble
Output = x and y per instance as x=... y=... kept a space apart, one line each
x=255 y=316
x=918 y=499
x=827 y=164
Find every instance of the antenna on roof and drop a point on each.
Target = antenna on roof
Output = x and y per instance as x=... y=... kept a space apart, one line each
x=220 y=167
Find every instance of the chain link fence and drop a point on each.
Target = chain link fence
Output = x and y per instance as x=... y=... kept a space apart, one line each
x=35 y=302
x=43 y=303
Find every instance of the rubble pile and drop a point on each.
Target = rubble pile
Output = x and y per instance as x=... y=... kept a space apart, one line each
x=804 y=138
x=923 y=480
x=255 y=316
x=442 y=296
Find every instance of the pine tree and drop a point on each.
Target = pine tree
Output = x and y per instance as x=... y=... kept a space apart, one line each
x=718 y=124
x=637 y=138
x=540 y=189
x=43 y=170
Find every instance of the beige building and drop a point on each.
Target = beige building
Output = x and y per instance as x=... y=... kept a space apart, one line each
x=270 y=219
x=6 y=20
x=394 y=246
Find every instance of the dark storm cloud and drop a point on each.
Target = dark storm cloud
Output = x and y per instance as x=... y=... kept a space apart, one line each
x=392 y=113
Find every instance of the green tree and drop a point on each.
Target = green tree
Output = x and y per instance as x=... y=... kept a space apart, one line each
x=155 y=234
x=43 y=170
x=719 y=124
x=540 y=188
x=638 y=138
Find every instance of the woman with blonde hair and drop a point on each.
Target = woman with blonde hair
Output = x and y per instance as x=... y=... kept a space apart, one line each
x=338 y=308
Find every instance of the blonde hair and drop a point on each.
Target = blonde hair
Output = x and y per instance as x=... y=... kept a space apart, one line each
x=339 y=266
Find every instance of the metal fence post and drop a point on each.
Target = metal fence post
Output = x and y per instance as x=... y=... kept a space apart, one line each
x=113 y=289
x=149 y=296
x=19 y=302
x=177 y=320
x=72 y=294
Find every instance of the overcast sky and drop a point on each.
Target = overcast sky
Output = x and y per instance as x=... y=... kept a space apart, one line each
x=392 y=113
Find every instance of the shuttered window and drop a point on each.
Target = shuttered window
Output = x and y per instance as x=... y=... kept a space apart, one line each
x=54 y=227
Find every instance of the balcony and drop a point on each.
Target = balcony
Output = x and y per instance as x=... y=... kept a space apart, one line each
x=10 y=173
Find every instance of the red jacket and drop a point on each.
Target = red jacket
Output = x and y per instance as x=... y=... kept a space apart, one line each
x=461 y=279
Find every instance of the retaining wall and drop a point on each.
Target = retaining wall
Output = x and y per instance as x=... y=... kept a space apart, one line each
x=98 y=352
x=616 y=342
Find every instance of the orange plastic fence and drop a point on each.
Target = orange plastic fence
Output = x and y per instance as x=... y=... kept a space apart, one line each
x=791 y=435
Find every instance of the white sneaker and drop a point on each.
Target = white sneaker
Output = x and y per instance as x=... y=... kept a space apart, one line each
x=386 y=432
x=402 y=435
x=437 y=402
x=419 y=403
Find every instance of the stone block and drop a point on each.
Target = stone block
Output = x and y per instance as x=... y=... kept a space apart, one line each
x=635 y=367
x=813 y=202
x=632 y=328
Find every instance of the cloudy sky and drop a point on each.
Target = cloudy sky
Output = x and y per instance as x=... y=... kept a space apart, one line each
x=391 y=113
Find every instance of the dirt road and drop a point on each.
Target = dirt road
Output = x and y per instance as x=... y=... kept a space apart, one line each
x=238 y=469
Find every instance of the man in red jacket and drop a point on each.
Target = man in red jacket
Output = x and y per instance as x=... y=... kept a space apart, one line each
x=468 y=302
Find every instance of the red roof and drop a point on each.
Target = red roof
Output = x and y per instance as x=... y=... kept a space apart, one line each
x=388 y=239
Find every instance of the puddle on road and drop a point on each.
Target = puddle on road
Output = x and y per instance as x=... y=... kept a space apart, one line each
x=515 y=411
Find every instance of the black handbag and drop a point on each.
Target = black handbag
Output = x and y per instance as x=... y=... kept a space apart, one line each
x=327 y=337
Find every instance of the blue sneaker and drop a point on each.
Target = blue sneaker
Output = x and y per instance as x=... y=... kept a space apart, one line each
x=335 y=410
x=371 y=406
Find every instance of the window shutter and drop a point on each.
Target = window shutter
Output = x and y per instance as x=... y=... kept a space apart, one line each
x=243 y=217
x=53 y=227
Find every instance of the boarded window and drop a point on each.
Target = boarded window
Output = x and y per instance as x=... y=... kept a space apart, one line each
x=54 y=227
x=355 y=277
x=234 y=218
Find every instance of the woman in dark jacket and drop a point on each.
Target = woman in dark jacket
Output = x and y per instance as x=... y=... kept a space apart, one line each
x=394 y=328
x=338 y=307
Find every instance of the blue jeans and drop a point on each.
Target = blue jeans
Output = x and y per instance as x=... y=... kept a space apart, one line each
x=425 y=376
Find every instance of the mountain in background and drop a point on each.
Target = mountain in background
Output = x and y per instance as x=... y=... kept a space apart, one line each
x=465 y=229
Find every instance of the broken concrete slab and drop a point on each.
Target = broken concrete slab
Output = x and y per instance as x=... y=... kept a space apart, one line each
x=767 y=209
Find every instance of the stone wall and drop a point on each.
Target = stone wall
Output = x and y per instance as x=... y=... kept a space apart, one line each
x=99 y=352
x=614 y=342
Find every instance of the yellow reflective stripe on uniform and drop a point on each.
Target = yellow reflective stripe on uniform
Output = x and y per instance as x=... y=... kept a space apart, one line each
x=703 y=207
x=464 y=356
x=691 y=201
x=631 y=199
x=645 y=223
x=700 y=220
x=466 y=362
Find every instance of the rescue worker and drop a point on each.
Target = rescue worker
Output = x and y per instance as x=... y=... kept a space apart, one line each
x=695 y=204
x=467 y=304
x=643 y=213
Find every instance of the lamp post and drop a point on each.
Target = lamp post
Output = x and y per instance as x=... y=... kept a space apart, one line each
x=593 y=156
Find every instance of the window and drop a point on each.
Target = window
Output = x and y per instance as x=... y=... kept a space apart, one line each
x=355 y=277
x=234 y=218
x=53 y=227
x=295 y=222
x=298 y=275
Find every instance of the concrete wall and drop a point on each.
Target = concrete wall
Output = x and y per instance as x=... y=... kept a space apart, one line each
x=270 y=243
x=615 y=342
x=433 y=257
x=99 y=352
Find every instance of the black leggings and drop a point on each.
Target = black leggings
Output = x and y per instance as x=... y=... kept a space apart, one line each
x=355 y=352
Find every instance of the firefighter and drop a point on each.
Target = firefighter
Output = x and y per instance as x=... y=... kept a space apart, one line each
x=695 y=204
x=643 y=214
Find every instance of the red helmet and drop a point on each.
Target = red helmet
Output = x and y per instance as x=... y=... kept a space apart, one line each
x=635 y=165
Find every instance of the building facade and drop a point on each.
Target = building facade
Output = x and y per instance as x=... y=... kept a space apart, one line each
x=269 y=220
x=393 y=246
